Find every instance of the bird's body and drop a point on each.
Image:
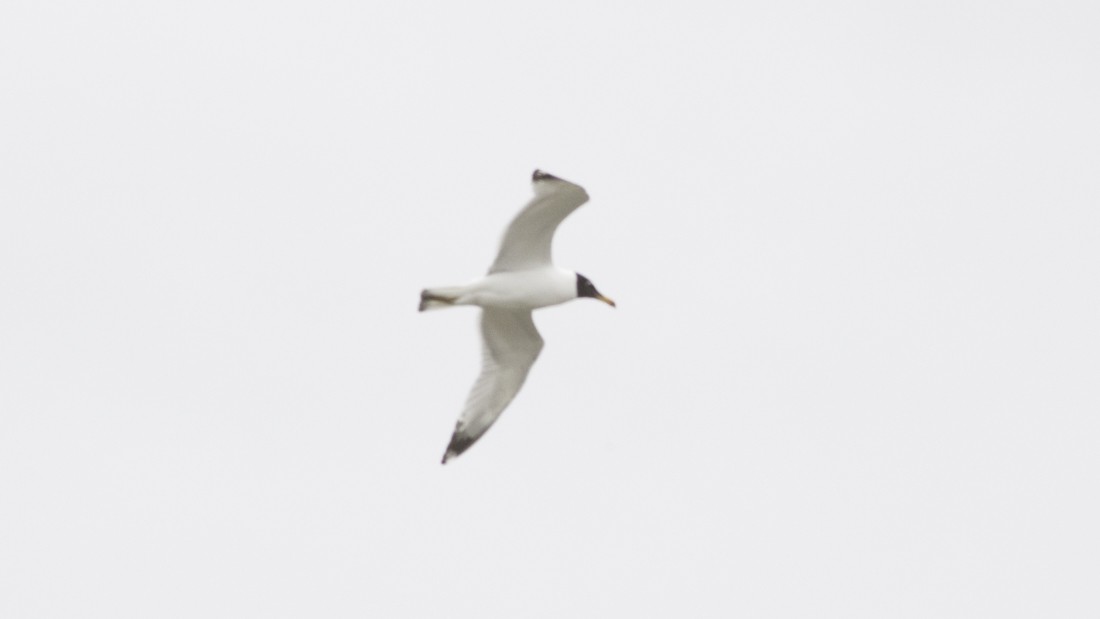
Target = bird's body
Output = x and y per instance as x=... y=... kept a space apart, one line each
x=521 y=279
x=520 y=290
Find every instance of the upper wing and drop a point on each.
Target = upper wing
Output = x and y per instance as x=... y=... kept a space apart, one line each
x=526 y=242
x=510 y=345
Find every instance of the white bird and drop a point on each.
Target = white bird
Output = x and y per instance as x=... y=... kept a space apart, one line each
x=521 y=279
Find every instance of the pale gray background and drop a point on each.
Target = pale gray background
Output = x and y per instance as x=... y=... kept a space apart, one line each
x=852 y=373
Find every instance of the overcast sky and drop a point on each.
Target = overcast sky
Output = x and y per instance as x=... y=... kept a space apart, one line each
x=853 y=371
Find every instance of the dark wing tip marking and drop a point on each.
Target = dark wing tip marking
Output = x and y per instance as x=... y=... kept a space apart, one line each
x=539 y=175
x=459 y=443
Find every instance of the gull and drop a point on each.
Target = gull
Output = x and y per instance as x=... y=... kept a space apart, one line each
x=522 y=279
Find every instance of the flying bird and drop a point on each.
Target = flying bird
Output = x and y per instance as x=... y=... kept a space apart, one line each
x=522 y=279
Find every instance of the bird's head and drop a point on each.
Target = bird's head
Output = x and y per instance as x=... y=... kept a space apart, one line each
x=585 y=288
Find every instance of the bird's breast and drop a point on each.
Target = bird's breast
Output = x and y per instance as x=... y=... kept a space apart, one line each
x=530 y=289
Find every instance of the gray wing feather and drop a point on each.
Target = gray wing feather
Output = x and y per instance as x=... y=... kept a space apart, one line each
x=527 y=240
x=510 y=345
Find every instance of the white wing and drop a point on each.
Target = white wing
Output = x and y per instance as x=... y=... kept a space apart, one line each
x=526 y=242
x=509 y=346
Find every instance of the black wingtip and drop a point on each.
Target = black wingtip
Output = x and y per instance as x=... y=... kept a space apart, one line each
x=450 y=453
x=459 y=443
x=539 y=175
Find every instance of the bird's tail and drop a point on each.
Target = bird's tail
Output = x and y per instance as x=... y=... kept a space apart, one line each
x=438 y=298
